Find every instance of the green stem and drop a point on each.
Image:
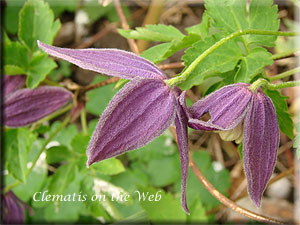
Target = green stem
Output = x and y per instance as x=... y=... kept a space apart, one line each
x=266 y=84
x=64 y=123
x=285 y=74
x=200 y=58
x=83 y=122
x=284 y=54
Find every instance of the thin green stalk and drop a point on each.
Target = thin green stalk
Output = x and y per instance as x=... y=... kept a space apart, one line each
x=83 y=122
x=64 y=123
x=189 y=70
x=284 y=54
x=262 y=82
x=285 y=74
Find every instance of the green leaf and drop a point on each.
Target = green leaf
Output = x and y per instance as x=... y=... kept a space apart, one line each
x=166 y=209
x=284 y=119
x=100 y=97
x=197 y=213
x=11 y=15
x=297 y=139
x=16 y=58
x=37 y=23
x=57 y=154
x=62 y=178
x=79 y=143
x=252 y=64
x=231 y=16
x=63 y=70
x=159 y=32
x=19 y=142
x=110 y=166
x=40 y=66
x=156 y=54
x=202 y=28
x=223 y=59
x=66 y=135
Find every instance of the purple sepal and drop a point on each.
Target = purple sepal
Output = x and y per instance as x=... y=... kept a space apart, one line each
x=112 y=62
x=226 y=106
x=13 y=83
x=26 y=106
x=14 y=209
x=138 y=113
x=261 y=137
x=181 y=122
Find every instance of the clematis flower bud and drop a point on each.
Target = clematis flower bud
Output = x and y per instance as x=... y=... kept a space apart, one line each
x=141 y=111
x=229 y=108
x=26 y=106
x=14 y=209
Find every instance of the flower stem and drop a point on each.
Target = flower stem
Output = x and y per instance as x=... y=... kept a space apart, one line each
x=284 y=54
x=200 y=58
x=285 y=74
x=64 y=123
x=266 y=84
x=83 y=122
x=227 y=202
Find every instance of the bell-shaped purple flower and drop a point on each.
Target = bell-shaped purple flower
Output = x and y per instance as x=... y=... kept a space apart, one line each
x=26 y=106
x=14 y=209
x=141 y=111
x=13 y=83
x=242 y=114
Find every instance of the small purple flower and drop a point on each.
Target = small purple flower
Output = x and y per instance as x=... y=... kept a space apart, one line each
x=141 y=111
x=242 y=114
x=26 y=106
x=14 y=209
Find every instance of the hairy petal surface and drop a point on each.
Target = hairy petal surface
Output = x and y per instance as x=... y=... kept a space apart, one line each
x=13 y=83
x=181 y=122
x=261 y=137
x=112 y=62
x=26 y=106
x=227 y=108
x=138 y=113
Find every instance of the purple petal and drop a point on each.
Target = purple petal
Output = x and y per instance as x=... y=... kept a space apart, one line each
x=112 y=62
x=13 y=83
x=227 y=107
x=181 y=122
x=261 y=136
x=138 y=113
x=13 y=212
x=26 y=106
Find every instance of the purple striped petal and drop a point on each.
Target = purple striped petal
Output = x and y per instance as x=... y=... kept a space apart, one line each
x=181 y=122
x=227 y=108
x=261 y=137
x=13 y=212
x=13 y=83
x=138 y=113
x=26 y=106
x=112 y=62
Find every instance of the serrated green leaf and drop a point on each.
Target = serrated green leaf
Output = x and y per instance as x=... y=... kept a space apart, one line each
x=251 y=64
x=197 y=213
x=110 y=166
x=156 y=54
x=159 y=32
x=19 y=142
x=223 y=59
x=40 y=66
x=284 y=119
x=100 y=97
x=231 y=16
x=11 y=15
x=57 y=154
x=37 y=23
x=16 y=58
x=79 y=143
x=62 y=178
x=167 y=209
x=202 y=28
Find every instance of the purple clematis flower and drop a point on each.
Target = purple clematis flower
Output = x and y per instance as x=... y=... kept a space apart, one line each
x=141 y=111
x=14 y=209
x=26 y=106
x=242 y=114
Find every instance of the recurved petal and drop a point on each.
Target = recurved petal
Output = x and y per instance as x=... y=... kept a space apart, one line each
x=26 y=106
x=181 y=122
x=112 y=62
x=227 y=107
x=261 y=136
x=138 y=113
x=13 y=83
